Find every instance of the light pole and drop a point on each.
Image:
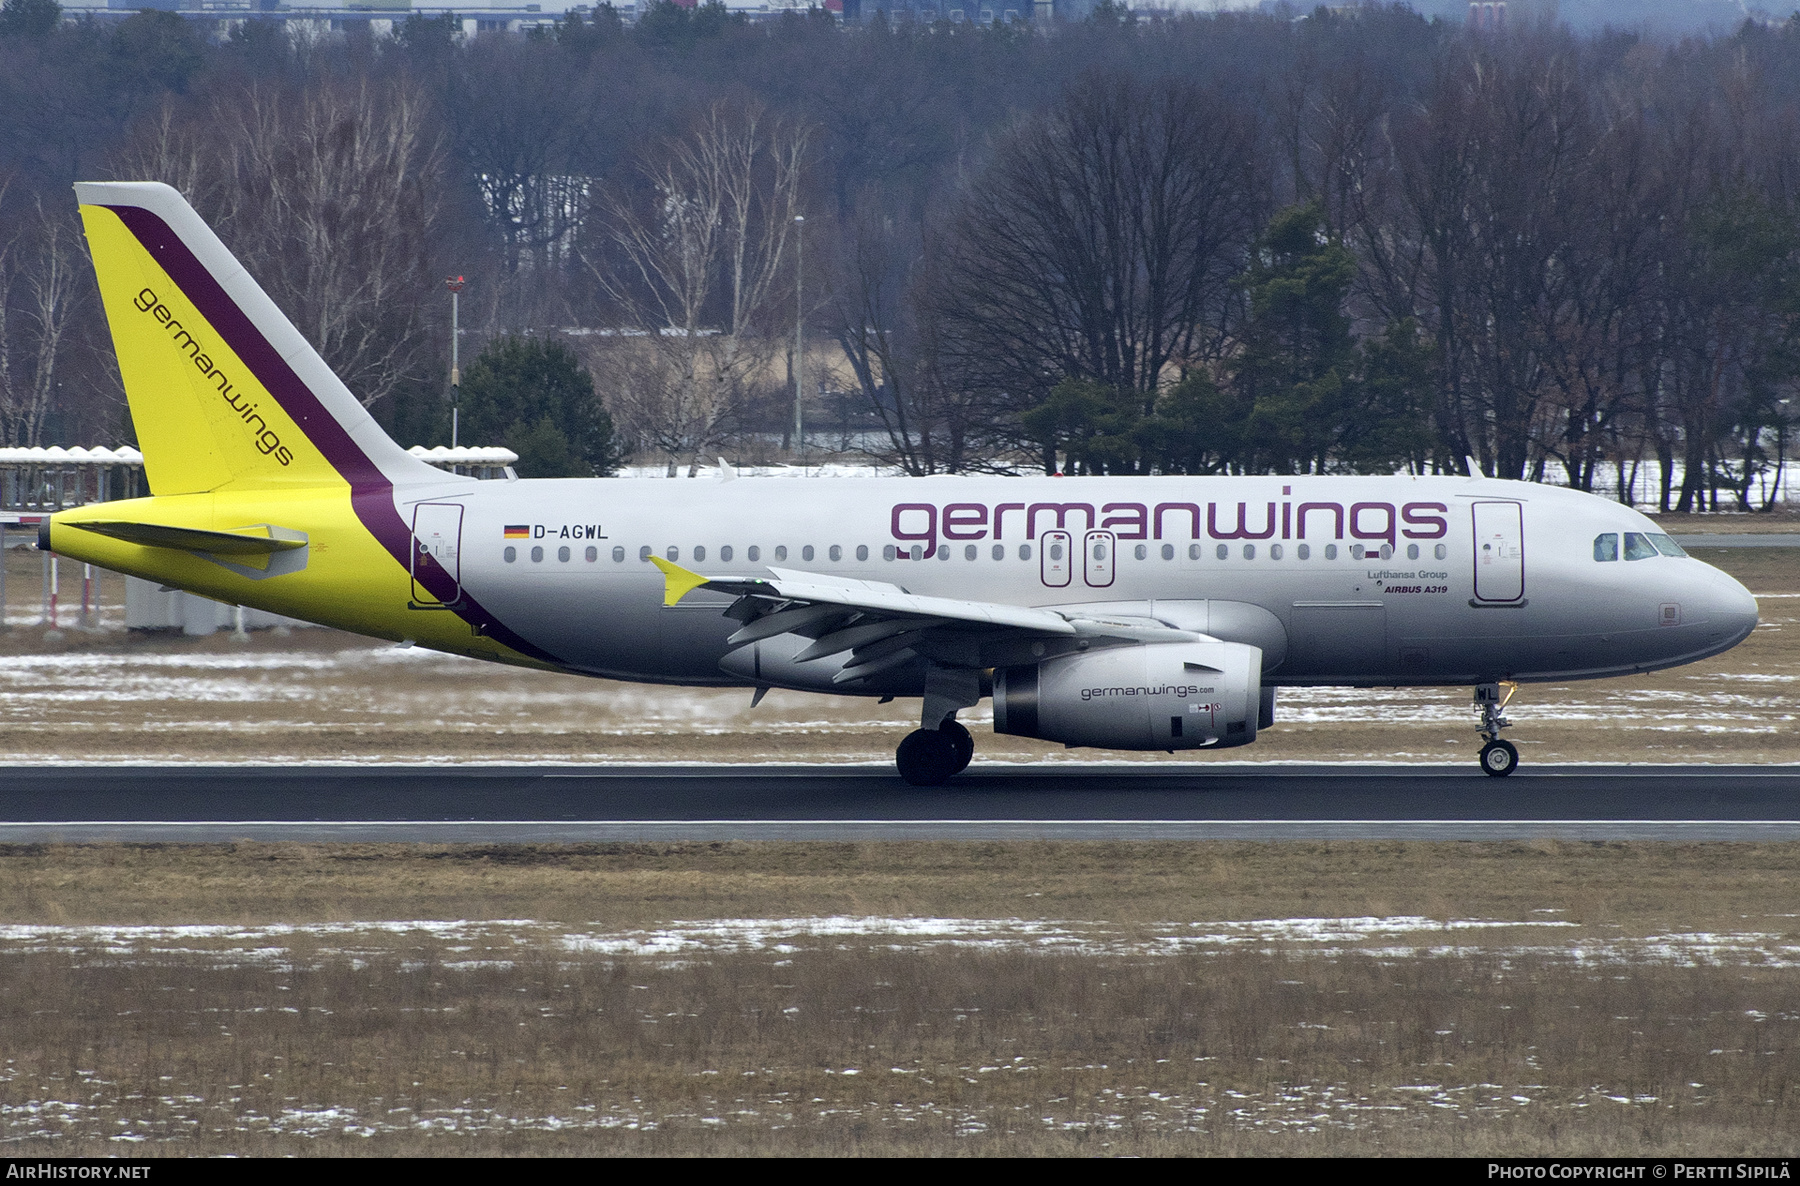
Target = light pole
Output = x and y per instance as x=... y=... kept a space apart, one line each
x=1781 y=453
x=455 y=285
x=799 y=332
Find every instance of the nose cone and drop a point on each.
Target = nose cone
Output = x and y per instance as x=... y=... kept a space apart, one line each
x=1730 y=608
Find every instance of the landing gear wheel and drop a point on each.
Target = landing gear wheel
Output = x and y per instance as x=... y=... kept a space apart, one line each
x=964 y=744
x=927 y=758
x=1499 y=758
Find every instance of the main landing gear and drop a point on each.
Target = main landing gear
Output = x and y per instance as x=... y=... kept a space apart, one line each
x=929 y=757
x=940 y=748
x=1498 y=758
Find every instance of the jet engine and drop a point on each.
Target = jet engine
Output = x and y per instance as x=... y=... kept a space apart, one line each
x=1181 y=695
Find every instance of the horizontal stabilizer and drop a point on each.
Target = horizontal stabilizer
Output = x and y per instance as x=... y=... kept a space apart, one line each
x=247 y=541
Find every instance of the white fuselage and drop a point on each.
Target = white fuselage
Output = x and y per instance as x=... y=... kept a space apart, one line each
x=1376 y=580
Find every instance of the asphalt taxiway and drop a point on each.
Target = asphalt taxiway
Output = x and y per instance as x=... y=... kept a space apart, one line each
x=564 y=804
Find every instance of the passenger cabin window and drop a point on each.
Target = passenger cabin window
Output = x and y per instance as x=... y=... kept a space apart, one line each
x=1606 y=547
x=725 y=553
x=1638 y=546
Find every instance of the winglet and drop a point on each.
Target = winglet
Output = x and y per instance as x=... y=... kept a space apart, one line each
x=678 y=582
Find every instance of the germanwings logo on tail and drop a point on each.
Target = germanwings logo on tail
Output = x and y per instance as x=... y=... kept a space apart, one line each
x=266 y=440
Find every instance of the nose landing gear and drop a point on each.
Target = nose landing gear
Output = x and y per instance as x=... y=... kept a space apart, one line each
x=1498 y=758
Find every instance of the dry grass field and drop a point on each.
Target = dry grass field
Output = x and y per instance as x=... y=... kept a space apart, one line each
x=901 y=998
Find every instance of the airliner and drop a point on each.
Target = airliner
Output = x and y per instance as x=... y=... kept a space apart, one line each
x=1122 y=613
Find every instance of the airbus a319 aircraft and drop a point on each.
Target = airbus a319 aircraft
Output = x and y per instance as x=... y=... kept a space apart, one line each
x=1153 y=613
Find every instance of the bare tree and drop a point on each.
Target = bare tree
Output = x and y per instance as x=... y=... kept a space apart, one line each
x=42 y=283
x=692 y=262
x=891 y=345
x=1103 y=241
x=1600 y=279
x=1491 y=163
x=531 y=160
x=330 y=196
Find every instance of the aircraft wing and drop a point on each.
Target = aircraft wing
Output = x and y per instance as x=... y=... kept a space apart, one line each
x=883 y=624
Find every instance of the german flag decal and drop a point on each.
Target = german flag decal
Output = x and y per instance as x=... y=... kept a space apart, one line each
x=518 y=531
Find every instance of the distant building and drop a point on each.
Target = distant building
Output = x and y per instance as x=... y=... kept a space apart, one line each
x=1488 y=16
x=380 y=16
x=376 y=16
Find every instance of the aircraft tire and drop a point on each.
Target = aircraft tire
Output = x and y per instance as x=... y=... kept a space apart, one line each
x=927 y=758
x=1499 y=758
x=965 y=744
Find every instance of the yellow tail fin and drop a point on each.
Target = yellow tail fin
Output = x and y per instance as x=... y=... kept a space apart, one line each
x=224 y=391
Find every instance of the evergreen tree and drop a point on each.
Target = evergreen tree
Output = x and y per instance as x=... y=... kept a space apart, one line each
x=1090 y=424
x=534 y=398
x=1296 y=367
x=29 y=18
x=1316 y=399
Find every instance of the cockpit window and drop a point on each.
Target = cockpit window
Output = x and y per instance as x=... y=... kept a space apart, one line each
x=1638 y=546
x=1606 y=547
x=1667 y=546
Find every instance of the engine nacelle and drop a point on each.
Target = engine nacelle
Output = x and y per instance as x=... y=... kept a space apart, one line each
x=1179 y=695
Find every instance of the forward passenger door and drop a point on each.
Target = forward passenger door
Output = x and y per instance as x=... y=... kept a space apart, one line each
x=1499 y=551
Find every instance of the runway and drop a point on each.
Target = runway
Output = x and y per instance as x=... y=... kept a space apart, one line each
x=1165 y=801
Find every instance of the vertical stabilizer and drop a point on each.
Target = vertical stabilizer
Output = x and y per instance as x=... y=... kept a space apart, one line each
x=224 y=391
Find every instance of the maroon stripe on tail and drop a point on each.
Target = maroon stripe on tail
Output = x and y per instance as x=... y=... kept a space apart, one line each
x=371 y=491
